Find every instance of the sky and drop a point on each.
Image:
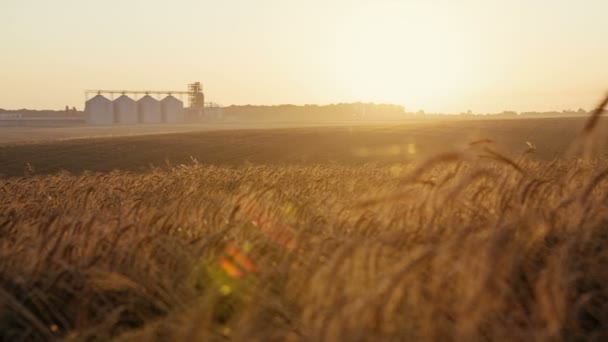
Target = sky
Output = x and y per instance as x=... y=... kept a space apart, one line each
x=435 y=55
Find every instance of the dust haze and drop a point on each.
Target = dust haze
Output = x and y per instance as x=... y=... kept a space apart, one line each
x=303 y=171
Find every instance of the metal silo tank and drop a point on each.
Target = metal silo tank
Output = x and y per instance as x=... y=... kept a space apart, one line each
x=172 y=110
x=149 y=110
x=125 y=110
x=99 y=111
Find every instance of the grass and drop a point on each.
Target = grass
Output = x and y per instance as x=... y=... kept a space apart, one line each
x=473 y=244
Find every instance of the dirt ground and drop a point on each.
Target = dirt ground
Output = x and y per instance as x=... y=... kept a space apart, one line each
x=222 y=144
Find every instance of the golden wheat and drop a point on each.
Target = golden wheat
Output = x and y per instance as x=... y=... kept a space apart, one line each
x=472 y=245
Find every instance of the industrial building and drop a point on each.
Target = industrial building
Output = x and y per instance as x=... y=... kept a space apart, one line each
x=149 y=110
x=100 y=110
x=125 y=110
x=172 y=110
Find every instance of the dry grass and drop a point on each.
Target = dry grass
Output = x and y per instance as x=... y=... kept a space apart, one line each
x=471 y=245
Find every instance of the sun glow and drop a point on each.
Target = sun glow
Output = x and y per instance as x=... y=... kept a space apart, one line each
x=424 y=60
x=438 y=55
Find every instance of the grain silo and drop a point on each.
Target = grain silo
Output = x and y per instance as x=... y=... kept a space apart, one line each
x=125 y=110
x=172 y=109
x=99 y=111
x=149 y=110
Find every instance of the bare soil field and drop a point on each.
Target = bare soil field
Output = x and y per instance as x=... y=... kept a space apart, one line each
x=37 y=132
x=303 y=145
x=454 y=231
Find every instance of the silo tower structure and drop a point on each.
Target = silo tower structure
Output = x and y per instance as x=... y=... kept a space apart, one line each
x=99 y=110
x=125 y=110
x=149 y=110
x=197 y=101
x=196 y=95
x=172 y=110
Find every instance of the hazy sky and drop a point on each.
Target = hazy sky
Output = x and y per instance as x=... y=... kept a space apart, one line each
x=442 y=55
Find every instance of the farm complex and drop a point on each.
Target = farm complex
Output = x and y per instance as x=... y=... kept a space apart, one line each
x=165 y=108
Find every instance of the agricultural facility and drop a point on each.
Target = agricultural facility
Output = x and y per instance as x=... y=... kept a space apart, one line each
x=165 y=108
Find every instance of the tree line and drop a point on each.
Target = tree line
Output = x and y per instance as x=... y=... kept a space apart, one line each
x=340 y=111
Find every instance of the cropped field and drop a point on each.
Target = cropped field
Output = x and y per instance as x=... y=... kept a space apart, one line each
x=45 y=131
x=444 y=231
x=348 y=145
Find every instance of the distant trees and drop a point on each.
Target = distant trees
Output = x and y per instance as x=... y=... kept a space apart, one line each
x=30 y=113
x=467 y=113
x=340 y=111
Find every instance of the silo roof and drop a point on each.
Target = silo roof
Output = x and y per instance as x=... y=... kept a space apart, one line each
x=147 y=98
x=171 y=98
x=98 y=98
x=124 y=98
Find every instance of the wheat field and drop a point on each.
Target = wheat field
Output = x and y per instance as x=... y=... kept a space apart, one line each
x=469 y=245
